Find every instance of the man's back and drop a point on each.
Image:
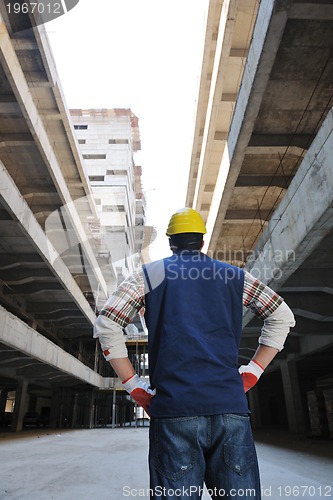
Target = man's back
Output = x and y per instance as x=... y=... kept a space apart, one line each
x=194 y=319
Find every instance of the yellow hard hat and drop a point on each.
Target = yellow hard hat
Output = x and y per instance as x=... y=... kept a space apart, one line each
x=186 y=220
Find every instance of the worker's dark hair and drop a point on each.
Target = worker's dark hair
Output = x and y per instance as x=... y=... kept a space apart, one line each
x=186 y=241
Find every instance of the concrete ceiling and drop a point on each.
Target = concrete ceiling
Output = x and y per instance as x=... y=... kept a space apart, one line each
x=49 y=268
x=242 y=170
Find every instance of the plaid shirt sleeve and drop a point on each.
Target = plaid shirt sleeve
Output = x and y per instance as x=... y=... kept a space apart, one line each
x=259 y=298
x=126 y=301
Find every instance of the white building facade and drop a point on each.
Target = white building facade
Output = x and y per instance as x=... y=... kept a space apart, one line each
x=108 y=139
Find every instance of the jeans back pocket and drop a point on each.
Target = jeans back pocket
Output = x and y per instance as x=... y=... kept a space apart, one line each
x=173 y=445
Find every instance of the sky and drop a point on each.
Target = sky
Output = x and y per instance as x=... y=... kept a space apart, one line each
x=146 y=55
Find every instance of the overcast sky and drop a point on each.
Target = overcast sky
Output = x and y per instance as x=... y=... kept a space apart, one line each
x=146 y=55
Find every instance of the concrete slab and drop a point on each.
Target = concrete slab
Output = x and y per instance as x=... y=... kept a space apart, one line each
x=109 y=464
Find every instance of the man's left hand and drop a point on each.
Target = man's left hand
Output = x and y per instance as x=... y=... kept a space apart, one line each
x=250 y=374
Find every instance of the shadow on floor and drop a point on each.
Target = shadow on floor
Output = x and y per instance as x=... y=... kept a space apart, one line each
x=280 y=437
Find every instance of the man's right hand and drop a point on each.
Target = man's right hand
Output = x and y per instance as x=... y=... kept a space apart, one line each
x=139 y=391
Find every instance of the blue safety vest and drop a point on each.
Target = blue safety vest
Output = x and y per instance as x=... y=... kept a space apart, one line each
x=194 y=319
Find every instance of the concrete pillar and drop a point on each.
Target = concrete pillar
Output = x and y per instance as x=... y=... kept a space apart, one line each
x=75 y=410
x=20 y=404
x=3 y=399
x=114 y=408
x=254 y=406
x=80 y=351
x=91 y=418
x=97 y=349
x=54 y=414
x=292 y=394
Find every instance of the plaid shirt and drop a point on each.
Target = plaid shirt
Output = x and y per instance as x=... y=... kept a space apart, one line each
x=129 y=299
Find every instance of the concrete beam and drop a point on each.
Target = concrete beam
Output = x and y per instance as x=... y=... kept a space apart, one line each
x=266 y=38
x=238 y=52
x=50 y=68
x=278 y=150
x=10 y=109
x=39 y=208
x=307 y=325
x=211 y=36
x=315 y=316
x=302 y=289
x=317 y=342
x=18 y=335
x=28 y=191
x=64 y=318
x=225 y=29
x=22 y=276
x=316 y=10
x=21 y=212
x=229 y=97
x=12 y=262
x=301 y=141
x=263 y=180
x=314 y=278
x=316 y=302
x=35 y=84
x=7 y=97
x=303 y=218
x=220 y=136
x=24 y=44
x=19 y=85
x=9 y=140
x=32 y=288
x=247 y=214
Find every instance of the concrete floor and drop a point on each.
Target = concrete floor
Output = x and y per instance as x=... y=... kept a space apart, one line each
x=105 y=464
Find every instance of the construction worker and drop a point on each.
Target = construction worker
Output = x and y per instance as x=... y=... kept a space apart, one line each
x=199 y=430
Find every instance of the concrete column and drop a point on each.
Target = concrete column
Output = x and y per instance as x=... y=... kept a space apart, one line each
x=114 y=408
x=91 y=418
x=20 y=405
x=254 y=406
x=97 y=348
x=54 y=414
x=292 y=394
x=3 y=399
x=75 y=410
x=80 y=351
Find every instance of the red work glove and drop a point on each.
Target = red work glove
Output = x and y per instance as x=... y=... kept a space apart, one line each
x=250 y=374
x=139 y=391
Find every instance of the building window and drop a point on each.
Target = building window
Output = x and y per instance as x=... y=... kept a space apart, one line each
x=116 y=172
x=96 y=177
x=114 y=229
x=81 y=141
x=80 y=127
x=118 y=141
x=113 y=208
x=94 y=157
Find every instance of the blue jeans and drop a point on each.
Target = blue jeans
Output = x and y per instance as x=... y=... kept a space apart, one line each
x=218 y=450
